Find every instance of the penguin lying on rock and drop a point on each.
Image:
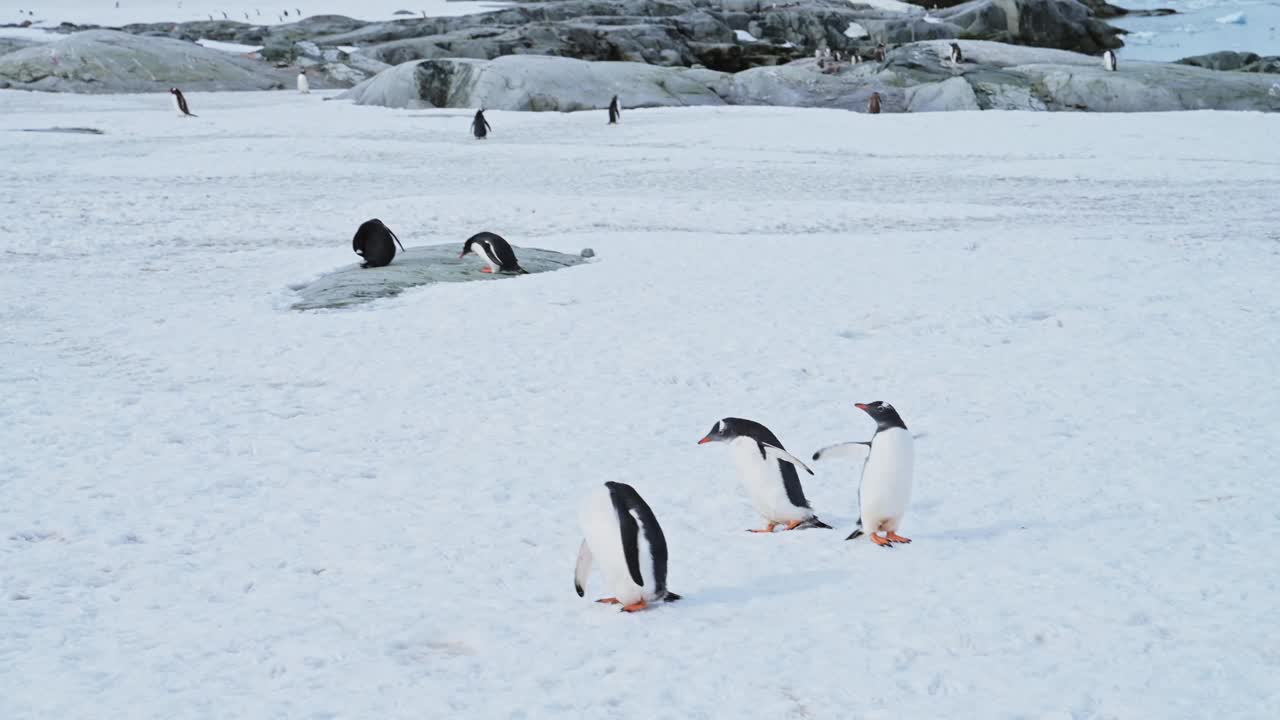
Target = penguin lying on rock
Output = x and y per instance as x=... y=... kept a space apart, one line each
x=885 y=487
x=624 y=537
x=768 y=473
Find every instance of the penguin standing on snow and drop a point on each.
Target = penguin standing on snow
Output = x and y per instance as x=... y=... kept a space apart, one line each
x=180 y=103
x=374 y=243
x=615 y=112
x=623 y=536
x=768 y=473
x=957 y=57
x=1109 y=60
x=304 y=87
x=885 y=488
x=873 y=105
x=496 y=252
x=479 y=126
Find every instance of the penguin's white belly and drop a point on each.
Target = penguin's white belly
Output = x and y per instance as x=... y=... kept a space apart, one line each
x=762 y=480
x=493 y=264
x=886 y=481
x=176 y=107
x=603 y=535
x=303 y=85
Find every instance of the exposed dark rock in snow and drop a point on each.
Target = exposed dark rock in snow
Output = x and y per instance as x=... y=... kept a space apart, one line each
x=914 y=78
x=416 y=266
x=1242 y=61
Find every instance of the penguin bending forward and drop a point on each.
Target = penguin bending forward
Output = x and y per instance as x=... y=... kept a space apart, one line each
x=180 y=103
x=623 y=536
x=1109 y=60
x=615 y=111
x=885 y=488
x=479 y=126
x=768 y=473
x=495 y=251
x=373 y=242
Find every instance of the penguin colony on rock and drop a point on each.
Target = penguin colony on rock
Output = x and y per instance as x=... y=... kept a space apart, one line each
x=622 y=534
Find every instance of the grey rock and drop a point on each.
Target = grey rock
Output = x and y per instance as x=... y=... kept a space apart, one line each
x=913 y=78
x=1227 y=60
x=108 y=61
x=531 y=82
x=416 y=266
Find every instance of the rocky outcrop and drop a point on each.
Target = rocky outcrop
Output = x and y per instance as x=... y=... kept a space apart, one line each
x=914 y=78
x=534 y=83
x=667 y=32
x=107 y=61
x=1241 y=61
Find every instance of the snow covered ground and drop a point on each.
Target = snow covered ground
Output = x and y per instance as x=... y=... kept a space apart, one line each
x=105 y=12
x=212 y=506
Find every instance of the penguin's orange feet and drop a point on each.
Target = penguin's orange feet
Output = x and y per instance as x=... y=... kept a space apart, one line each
x=769 y=529
x=794 y=524
x=635 y=606
x=882 y=542
x=487 y=269
x=610 y=601
x=895 y=537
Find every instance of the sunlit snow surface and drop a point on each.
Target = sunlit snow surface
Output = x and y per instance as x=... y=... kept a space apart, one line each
x=212 y=506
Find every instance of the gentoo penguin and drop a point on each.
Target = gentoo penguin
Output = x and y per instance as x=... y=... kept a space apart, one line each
x=885 y=487
x=615 y=111
x=624 y=538
x=1109 y=60
x=496 y=252
x=180 y=103
x=304 y=87
x=956 y=56
x=768 y=473
x=373 y=242
x=873 y=105
x=479 y=126
x=881 y=52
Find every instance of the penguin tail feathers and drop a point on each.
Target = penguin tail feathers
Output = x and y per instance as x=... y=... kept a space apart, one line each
x=856 y=534
x=670 y=597
x=813 y=522
x=521 y=271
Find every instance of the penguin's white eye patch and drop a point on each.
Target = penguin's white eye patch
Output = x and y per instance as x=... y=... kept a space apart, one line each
x=719 y=428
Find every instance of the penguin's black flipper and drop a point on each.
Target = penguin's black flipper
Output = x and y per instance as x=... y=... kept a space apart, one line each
x=582 y=569
x=766 y=450
x=841 y=449
x=857 y=533
x=397 y=239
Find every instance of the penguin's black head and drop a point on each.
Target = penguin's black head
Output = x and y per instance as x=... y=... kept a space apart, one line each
x=722 y=431
x=730 y=429
x=883 y=413
x=173 y=91
x=467 y=247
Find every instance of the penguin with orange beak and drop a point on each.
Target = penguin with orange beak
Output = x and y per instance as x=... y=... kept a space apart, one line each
x=769 y=473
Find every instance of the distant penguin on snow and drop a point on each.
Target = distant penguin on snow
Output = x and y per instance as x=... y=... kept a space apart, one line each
x=1109 y=60
x=885 y=488
x=768 y=473
x=622 y=535
x=495 y=251
x=375 y=243
x=873 y=105
x=957 y=57
x=615 y=111
x=180 y=103
x=304 y=87
x=479 y=126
